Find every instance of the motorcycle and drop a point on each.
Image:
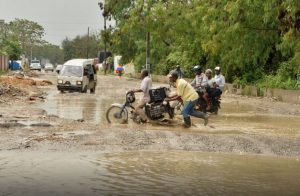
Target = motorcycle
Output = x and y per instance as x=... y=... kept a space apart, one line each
x=155 y=109
x=214 y=99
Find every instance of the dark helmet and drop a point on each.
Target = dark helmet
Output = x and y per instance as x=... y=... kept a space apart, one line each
x=197 y=68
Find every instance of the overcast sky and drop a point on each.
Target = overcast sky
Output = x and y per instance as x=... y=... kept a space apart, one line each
x=60 y=18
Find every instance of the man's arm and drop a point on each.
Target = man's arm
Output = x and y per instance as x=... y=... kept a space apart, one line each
x=193 y=83
x=173 y=98
x=136 y=90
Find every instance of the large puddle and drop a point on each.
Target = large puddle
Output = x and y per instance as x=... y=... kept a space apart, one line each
x=233 y=115
x=155 y=173
x=76 y=106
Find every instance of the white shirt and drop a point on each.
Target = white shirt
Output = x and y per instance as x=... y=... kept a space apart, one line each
x=220 y=81
x=211 y=82
x=146 y=85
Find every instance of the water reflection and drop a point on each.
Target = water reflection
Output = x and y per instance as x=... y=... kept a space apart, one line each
x=155 y=173
x=77 y=106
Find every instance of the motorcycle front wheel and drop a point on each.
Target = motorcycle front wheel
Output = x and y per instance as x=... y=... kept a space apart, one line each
x=116 y=115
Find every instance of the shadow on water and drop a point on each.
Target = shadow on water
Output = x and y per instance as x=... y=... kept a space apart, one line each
x=163 y=173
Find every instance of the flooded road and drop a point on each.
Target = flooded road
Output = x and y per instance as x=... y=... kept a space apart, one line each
x=155 y=173
x=63 y=145
x=235 y=115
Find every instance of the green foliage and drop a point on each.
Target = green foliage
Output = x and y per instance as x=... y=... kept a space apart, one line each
x=9 y=44
x=252 y=40
x=28 y=33
x=284 y=78
x=49 y=51
x=80 y=47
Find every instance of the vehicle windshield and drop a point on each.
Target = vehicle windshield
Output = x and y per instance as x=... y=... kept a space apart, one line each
x=71 y=70
x=35 y=61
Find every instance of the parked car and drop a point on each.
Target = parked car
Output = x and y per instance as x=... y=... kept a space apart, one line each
x=49 y=67
x=35 y=65
x=58 y=68
x=77 y=75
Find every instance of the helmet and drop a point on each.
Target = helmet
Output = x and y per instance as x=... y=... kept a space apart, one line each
x=130 y=97
x=197 y=68
x=218 y=68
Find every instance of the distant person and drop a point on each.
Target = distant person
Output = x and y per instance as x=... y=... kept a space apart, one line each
x=95 y=65
x=219 y=78
x=120 y=71
x=146 y=85
x=179 y=71
x=189 y=97
x=110 y=62
x=105 y=67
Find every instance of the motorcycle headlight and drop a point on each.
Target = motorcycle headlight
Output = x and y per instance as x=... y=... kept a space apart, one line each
x=79 y=82
x=59 y=81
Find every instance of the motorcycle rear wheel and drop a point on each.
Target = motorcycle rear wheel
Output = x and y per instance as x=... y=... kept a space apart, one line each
x=115 y=115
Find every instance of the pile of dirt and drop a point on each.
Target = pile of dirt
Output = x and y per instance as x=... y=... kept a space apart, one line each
x=22 y=81
x=6 y=89
x=18 y=87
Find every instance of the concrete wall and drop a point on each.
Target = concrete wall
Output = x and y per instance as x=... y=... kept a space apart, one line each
x=290 y=96
x=3 y=63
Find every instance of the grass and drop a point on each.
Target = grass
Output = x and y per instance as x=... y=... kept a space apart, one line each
x=2 y=72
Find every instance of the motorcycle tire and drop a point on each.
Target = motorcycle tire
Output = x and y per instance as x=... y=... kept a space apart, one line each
x=115 y=115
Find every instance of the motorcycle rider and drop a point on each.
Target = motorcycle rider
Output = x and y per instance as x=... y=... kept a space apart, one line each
x=220 y=79
x=146 y=85
x=186 y=94
x=200 y=80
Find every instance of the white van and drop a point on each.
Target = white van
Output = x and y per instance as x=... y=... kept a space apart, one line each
x=77 y=75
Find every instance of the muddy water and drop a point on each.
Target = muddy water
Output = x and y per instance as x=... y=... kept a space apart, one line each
x=233 y=116
x=163 y=173
x=88 y=107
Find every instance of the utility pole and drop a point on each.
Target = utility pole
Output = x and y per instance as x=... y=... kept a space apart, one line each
x=148 y=52
x=104 y=14
x=88 y=42
x=148 y=63
x=105 y=66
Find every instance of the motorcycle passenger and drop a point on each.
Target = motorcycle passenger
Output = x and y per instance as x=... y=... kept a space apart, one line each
x=146 y=85
x=186 y=94
x=220 y=79
x=200 y=82
x=212 y=89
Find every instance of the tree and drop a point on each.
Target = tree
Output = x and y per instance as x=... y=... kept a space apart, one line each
x=80 y=47
x=29 y=34
x=252 y=40
x=9 y=44
x=51 y=52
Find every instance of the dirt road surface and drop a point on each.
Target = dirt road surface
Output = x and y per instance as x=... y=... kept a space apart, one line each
x=70 y=122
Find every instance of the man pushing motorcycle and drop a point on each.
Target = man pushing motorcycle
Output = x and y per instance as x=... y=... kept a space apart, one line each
x=146 y=85
x=188 y=96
